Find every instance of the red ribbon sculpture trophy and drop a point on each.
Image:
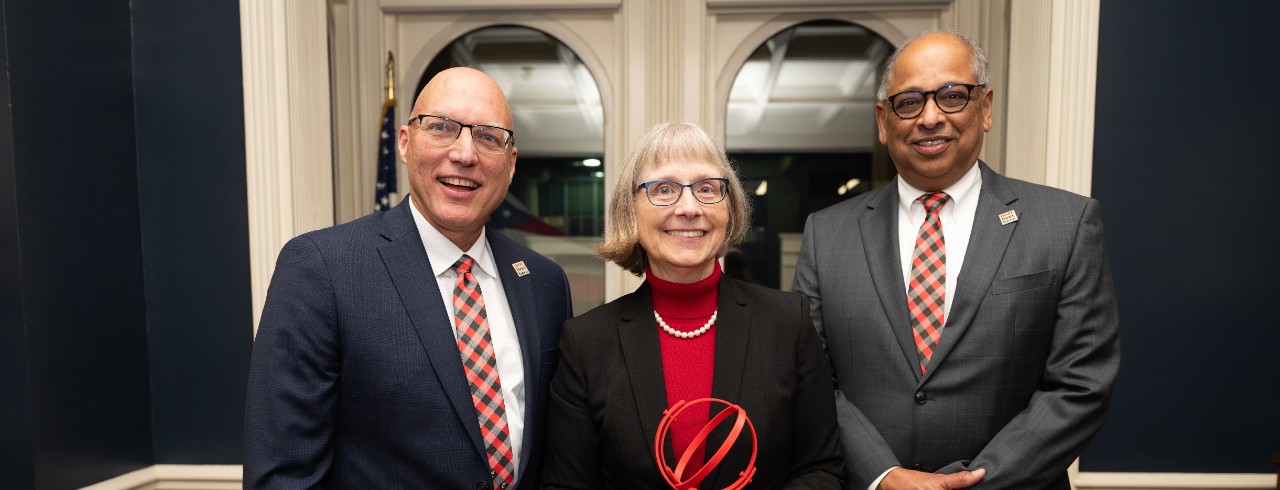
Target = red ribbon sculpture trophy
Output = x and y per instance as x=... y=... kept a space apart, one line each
x=676 y=478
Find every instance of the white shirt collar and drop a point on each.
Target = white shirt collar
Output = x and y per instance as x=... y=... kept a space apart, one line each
x=443 y=253
x=959 y=191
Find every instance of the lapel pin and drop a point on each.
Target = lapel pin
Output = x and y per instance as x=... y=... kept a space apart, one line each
x=1008 y=217
x=521 y=270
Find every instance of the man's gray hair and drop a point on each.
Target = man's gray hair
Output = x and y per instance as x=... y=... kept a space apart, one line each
x=980 y=64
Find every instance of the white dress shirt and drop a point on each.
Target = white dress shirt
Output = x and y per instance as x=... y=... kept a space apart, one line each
x=502 y=326
x=957 y=226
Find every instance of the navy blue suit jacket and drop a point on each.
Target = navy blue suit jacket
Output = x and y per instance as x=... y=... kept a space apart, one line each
x=356 y=380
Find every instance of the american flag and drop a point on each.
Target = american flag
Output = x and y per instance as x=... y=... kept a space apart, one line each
x=385 y=193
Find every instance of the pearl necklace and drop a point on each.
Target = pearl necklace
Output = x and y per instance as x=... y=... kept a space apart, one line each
x=685 y=335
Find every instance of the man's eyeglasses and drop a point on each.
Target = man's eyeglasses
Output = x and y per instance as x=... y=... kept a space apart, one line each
x=666 y=192
x=950 y=99
x=442 y=131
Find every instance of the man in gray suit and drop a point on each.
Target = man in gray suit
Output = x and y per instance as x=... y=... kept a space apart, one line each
x=970 y=318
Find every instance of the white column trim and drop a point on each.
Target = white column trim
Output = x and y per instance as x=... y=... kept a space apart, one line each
x=1028 y=106
x=403 y=6
x=175 y=477
x=270 y=186
x=1074 y=73
x=1173 y=481
x=1052 y=80
x=287 y=139
x=215 y=477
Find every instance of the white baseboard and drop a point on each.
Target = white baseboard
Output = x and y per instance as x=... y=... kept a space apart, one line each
x=226 y=477
x=176 y=477
x=1086 y=480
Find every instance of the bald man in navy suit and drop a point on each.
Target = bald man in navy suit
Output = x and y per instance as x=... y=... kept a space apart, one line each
x=358 y=377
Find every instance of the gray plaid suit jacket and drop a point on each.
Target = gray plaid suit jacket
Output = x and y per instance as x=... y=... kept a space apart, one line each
x=355 y=379
x=1024 y=371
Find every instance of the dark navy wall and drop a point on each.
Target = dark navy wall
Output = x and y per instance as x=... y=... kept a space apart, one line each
x=127 y=314
x=1186 y=167
x=16 y=455
x=195 y=233
x=71 y=89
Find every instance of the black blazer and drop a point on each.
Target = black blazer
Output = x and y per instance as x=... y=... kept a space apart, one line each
x=608 y=395
x=355 y=380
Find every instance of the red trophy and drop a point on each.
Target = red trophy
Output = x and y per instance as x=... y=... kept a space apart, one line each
x=676 y=478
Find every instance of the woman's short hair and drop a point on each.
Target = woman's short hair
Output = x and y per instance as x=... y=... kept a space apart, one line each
x=666 y=142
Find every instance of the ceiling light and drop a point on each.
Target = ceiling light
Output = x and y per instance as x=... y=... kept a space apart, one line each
x=591 y=162
x=762 y=188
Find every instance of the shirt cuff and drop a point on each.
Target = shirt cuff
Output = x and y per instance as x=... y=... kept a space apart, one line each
x=876 y=482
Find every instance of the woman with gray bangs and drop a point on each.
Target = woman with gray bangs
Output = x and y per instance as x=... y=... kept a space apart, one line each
x=636 y=374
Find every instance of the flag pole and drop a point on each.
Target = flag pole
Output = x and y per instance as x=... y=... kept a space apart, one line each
x=391 y=76
x=385 y=188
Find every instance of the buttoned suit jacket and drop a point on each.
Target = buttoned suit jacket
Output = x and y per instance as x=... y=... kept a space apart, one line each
x=1021 y=378
x=356 y=380
x=610 y=395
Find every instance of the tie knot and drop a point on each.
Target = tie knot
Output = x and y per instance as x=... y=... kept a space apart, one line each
x=464 y=264
x=933 y=201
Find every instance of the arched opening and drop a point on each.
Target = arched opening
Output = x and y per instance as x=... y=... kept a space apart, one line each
x=800 y=124
x=556 y=203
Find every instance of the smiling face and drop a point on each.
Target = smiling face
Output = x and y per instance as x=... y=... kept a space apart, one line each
x=933 y=150
x=456 y=186
x=682 y=239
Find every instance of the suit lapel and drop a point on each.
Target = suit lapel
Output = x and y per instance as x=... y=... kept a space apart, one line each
x=733 y=335
x=638 y=332
x=880 y=240
x=406 y=261
x=524 y=311
x=987 y=245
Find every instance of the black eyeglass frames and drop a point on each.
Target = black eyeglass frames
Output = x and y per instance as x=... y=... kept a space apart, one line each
x=950 y=98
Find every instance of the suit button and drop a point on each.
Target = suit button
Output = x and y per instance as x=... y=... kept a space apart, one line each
x=921 y=397
x=918 y=467
x=480 y=485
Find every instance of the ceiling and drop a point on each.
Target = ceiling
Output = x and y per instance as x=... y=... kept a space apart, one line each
x=810 y=88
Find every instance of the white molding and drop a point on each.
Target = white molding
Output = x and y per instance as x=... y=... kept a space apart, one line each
x=270 y=186
x=176 y=477
x=1074 y=70
x=310 y=121
x=1056 y=38
x=1052 y=80
x=287 y=137
x=819 y=3
x=1028 y=113
x=1173 y=481
x=987 y=23
x=417 y=6
x=216 y=477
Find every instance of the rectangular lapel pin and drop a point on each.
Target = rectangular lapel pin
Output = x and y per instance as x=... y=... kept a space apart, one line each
x=1008 y=217
x=521 y=270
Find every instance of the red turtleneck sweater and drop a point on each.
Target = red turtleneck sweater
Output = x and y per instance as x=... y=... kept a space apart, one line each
x=687 y=364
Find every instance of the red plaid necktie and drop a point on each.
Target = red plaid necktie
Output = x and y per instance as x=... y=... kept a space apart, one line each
x=476 y=347
x=926 y=294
